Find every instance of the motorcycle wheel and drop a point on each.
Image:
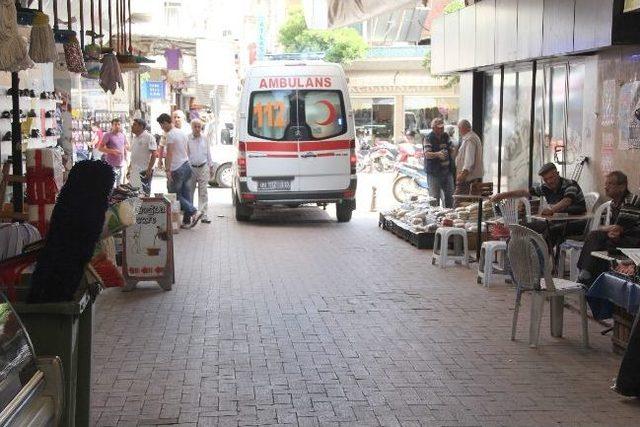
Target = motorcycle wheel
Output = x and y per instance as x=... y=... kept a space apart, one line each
x=403 y=188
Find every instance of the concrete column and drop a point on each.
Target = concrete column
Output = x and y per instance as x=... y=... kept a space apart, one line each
x=398 y=118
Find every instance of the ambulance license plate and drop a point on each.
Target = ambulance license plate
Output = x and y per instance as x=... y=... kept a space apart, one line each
x=274 y=185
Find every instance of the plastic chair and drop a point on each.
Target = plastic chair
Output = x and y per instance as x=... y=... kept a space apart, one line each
x=570 y=249
x=590 y=200
x=530 y=264
x=441 y=253
x=492 y=252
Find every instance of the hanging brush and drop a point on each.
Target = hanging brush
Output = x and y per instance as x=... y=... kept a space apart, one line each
x=110 y=73
x=72 y=50
x=14 y=55
x=42 y=47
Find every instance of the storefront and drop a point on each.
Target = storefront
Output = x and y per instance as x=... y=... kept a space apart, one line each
x=540 y=96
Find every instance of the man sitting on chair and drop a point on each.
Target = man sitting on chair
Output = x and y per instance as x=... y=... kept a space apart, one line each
x=623 y=233
x=562 y=196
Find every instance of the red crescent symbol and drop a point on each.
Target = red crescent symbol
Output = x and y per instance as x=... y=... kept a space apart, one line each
x=332 y=113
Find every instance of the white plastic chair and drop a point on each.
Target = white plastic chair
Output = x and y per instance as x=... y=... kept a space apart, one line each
x=590 y=200
x=571 y=249
x=530 y=264
x=491 y=250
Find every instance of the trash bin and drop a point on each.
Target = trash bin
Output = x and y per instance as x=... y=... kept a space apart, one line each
x=65 y=330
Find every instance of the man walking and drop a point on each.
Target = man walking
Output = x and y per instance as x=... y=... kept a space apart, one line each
x=469 y=159
x=179 y=170
x=115 y=146
x=437 y=154
x=143 y=156
x=201 y=165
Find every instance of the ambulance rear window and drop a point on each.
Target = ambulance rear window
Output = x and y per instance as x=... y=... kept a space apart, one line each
x=317 y=114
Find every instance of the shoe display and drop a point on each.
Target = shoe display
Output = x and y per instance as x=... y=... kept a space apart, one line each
x=32 y=94
x=31 y=113
x=43 y=95
x=6 y=114
x=7 y=136
x=35 y=133
x=50 y=132
x=48 y=114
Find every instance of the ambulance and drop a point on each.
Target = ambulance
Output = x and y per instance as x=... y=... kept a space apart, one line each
x=296 y=139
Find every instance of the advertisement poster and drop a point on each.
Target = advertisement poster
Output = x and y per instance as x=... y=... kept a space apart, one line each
x=608 y=103
x=148 y=251
x=606 y=153
x=629 y=116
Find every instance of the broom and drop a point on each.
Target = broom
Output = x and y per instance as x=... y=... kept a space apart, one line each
x=42 y=48
x=75 y=227
x=14 y=55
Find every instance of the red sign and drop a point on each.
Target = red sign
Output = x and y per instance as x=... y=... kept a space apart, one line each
x=295 y=82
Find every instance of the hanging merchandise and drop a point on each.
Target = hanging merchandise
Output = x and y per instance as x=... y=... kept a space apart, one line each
x=110 y=73
x=14 y=55
x=72 y=50
x=42 y=48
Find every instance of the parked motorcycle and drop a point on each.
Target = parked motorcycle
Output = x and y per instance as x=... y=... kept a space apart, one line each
x=410 y=181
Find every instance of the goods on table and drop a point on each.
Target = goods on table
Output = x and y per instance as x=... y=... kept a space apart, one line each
x=419 y=216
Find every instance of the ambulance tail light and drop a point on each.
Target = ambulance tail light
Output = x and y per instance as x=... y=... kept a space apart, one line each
x=353 y=159
x=242 y=159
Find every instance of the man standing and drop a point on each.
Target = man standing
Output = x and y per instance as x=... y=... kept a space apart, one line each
x=114 y=145
x=177 y=120
x=201 y=165
x=143 y=156
x=621 y=234
x=469 y=158
x=437 y=154
x=179 y=170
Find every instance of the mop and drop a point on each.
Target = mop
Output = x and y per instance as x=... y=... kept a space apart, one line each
x=14 y=55
x=42 y=48
x=75 y=228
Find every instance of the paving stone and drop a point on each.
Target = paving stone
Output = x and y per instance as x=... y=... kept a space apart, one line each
x=296 y=319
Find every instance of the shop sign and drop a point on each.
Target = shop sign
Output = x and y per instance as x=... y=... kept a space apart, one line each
x=148 y=245
x=153 y=90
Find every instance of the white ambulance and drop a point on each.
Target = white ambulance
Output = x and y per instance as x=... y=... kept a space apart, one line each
x=295 y=139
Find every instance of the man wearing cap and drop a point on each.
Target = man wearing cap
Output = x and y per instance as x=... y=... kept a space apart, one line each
x=562 y=196
x=469 y=159
x=143 y=156
x=438 y=166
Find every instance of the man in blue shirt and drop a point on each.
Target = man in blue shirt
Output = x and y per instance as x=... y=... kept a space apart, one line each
x=438 y=164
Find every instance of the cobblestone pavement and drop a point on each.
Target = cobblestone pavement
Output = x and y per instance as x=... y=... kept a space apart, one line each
x=296 y=319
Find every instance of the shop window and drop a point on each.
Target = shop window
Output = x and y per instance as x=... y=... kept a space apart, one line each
x=515 y=130
x=490 y=128
x=374 y=118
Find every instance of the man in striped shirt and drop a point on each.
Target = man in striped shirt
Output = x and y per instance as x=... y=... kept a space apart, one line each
x=562 y=196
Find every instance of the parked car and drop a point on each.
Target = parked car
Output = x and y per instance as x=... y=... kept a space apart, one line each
x=223 y=155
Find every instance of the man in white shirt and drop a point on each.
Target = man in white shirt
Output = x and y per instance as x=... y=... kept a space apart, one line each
x=469 y=159
x=143 y=156
x=179 y=171
x=201 y=164
x=177 y=120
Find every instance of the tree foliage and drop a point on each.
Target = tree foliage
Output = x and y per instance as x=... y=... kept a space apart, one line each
x=453 y=6
x=448 y=81
x=339 y=45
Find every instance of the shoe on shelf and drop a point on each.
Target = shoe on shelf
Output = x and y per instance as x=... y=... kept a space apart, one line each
x=31 y=113
x=6 y=115
x=7 y=136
